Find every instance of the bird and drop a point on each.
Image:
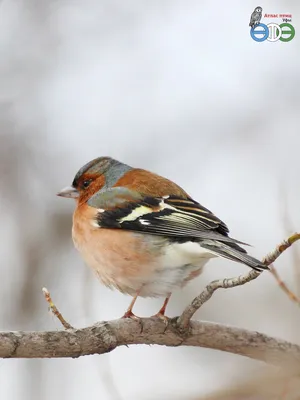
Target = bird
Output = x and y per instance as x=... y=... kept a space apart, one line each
x=255 y=17
x=142 y=233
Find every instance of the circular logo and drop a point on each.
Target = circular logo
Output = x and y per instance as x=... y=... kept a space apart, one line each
x=261 y=34
x=290 y=31
x=272 y=32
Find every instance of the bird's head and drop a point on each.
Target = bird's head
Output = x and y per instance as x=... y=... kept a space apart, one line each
x=100 y=173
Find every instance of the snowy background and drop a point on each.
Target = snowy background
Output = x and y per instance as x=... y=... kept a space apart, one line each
x=177 y=87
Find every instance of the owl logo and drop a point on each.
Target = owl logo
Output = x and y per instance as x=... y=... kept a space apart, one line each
x=255 y=17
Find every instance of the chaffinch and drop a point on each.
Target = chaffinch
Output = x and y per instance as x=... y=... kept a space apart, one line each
x=143 y=234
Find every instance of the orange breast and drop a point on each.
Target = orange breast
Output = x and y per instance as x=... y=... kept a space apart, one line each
x=121 y=259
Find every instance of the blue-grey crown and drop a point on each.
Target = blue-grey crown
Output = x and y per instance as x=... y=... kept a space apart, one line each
x=112 y=169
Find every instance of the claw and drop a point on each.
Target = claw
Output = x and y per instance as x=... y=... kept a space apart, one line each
x=161 y=312
x=162 y=317
x=129 y=314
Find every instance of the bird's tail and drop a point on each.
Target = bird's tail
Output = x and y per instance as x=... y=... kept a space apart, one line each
x=233 y=252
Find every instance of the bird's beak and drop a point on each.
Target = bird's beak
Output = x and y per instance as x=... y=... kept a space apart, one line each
x=69 y=192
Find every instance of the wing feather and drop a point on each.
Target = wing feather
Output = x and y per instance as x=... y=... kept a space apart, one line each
x=176 y=218
x=169 y=216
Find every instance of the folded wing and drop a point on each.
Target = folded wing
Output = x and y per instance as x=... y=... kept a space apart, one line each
x=177 y=218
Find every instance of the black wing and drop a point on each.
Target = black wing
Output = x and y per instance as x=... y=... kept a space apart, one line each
x=169 y=216
x=180 y=220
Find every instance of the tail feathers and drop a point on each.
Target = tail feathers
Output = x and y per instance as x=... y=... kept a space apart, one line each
x=233 y=252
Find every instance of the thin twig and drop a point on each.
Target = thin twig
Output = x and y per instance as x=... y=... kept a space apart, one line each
x=285 y=245
x=206 y=294
x=289 y=227
x=184 y=319
x=283 y=286
x=54 y=309
x=271 y=257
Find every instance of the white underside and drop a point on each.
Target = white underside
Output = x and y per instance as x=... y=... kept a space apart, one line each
x=174 y=268
x=162 y=267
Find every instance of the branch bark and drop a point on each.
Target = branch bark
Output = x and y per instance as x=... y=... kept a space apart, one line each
x=104 y=337
x=240 y=280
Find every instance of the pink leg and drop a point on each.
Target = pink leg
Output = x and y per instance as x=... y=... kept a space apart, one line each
x=161 y=312
x=129 y=313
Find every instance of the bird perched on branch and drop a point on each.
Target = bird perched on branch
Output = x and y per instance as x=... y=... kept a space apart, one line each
x=142 y=234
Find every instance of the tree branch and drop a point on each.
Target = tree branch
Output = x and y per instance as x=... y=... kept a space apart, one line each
x=203 y=297
x=103 y=337
x=106 y=336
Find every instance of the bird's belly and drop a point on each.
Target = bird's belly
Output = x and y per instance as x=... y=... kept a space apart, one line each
x=140 y=263
x=176 y=266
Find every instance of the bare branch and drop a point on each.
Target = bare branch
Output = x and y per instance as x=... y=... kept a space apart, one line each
x=106 y=336
x=54 y=309
x=184 y=319
x=203 y=297
x=271 y=257
x=283 y=286
x=280 y=249
x=103 y=337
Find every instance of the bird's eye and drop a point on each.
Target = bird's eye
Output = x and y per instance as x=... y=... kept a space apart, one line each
x=86 y=183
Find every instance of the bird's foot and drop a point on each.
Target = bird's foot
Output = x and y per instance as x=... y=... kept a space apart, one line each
x=163 y=318
x=129 y=314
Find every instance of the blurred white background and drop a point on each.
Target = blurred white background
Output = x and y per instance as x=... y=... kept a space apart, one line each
x=177 y=87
